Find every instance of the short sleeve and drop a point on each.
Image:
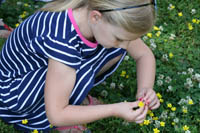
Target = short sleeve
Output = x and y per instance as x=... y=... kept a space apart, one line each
x=58 y=49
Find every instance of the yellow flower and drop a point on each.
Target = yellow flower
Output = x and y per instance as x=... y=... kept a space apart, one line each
x=173 y=108
x=151 y=114
x=194 y=20
x=25 y=121
x=123 y=74
x=158 y=33
x=26 y=5
x=173 y=123
x=190 y=102
x=162 y=124
x=146 y=122
x=161 y=100
x=35 y=131
x=180 y=14
x=149 y=35
x=51 y=126
x=190 y=27
x=16 y=25
x=156 y=28
x=185 y=128
x=159 y=95
x=155 y=118
x=198 y=21
x=141 y=124
x=171 y=55
x=127 y=76
x=141 y=104
x=185 y=110
x=172 y=6
x=155 y=130
x=169 y=105
x=23 y=15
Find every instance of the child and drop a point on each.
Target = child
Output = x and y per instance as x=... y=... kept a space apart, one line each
x=53 y=59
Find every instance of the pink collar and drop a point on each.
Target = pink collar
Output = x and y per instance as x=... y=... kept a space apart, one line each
x=87 y=42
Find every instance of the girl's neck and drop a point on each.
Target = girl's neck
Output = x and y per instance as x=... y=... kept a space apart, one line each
x=81 y=18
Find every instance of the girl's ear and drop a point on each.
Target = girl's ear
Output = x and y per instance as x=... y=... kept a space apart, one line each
x=95 y=16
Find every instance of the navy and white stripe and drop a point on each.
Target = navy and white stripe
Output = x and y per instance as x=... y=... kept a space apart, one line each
x=24 y=61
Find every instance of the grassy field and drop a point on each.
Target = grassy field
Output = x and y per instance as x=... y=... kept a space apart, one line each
x=175 y=41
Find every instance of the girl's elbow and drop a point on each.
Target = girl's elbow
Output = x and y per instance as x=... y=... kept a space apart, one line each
x=53 y=119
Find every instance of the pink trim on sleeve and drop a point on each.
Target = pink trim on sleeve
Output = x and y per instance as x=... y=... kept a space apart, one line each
x=87 y=42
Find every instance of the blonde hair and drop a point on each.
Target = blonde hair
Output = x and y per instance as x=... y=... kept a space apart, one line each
x=137 y=20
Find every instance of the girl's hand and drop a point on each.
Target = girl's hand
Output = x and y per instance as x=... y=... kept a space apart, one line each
x=149 y=97
x=128 y=111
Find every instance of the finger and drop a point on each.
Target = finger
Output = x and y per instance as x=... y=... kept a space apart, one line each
x=139 y=111
x=141 y=95
x=152 y=102
x=157 y=105
x=149 y=95
x=143 y=115
x=139 y=122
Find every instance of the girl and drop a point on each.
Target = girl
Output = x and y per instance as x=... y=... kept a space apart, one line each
x=53 y=59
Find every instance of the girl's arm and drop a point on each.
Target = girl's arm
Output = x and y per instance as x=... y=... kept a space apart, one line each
x=146 y=67
x=60 y=81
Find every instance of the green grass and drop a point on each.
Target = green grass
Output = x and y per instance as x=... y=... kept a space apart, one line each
x=177 y=76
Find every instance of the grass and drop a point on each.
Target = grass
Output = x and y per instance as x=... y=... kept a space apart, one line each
x=175 y=41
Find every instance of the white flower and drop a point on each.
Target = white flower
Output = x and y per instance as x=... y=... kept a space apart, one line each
x=19 y=3
x=182 y=102
x=190 y=70
x=176 y=120
x=145 y=38
x=112 y=85
x=188 y=131
x=159 y=82
x=165 y=57
x=197 y=77
x=184 y=107
x=104 y=93
x=164 y=115
x=172 y=114
x=36 y=6
x=193 y=11
x=153 y=46
x=188 y=85
x=157 y=124
x=172 y=36
x=170 y=88
x=184 y=73
x=161 y=28
x=152 y=41
x=189 y=81
x=170 y=7
x=179 y=73
x=188 y=97
x=161 y=76
x=126 y=58
x=121 y=86
x=168 y=79
x=125 y=123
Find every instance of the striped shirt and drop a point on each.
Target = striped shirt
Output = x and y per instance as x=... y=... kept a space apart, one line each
x=24 y=62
